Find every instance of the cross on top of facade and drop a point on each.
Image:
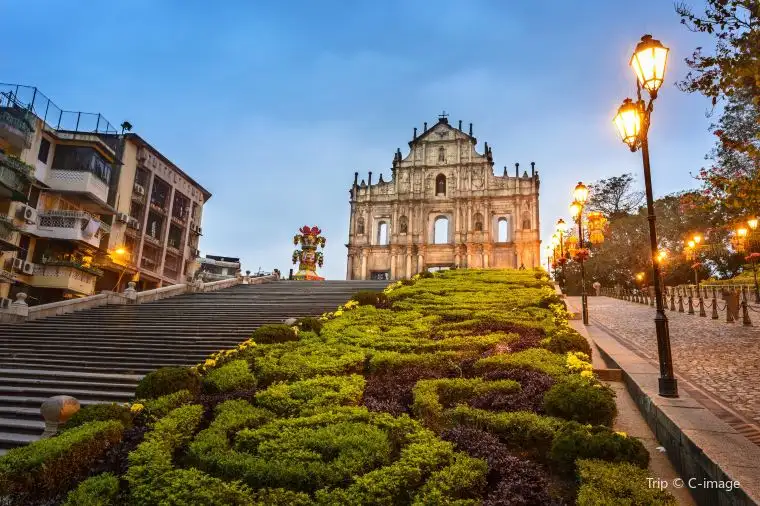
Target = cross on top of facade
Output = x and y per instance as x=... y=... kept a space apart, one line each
x=443 y=115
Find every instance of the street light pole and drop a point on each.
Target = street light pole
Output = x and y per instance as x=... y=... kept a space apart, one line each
x=584 y=295
x=632 y=121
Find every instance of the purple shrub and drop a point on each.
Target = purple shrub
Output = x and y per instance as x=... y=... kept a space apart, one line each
x=534 y=384
x=511 y=481
x=391 y=392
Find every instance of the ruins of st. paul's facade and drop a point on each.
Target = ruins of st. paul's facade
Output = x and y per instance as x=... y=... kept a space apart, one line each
x=443 y=207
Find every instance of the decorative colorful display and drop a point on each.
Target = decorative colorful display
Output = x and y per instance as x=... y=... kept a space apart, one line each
x=596 y=224
x=571 y=245
x=308 y=256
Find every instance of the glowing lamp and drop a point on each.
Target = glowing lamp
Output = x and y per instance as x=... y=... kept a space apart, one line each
x=628 y=123
x=561 y=225
x=752 y=222
x=697 y=238
x=640 y=276
x=120 y=251
x=741 y=232
x=691 y=244
x=648 y=62
x=580 y=194
x=575 y=209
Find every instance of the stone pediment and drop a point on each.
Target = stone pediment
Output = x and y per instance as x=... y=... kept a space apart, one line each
x=442 y=131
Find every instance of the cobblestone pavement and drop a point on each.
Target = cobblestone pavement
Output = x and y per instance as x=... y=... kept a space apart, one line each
x=721 y=358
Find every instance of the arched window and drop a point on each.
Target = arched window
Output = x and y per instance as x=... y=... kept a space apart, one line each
x=526 y=221
x=503 y=230
x=441 y=230
x=382 y=233
x=442 y=155
x=440 y=185
x=403 y=225
x=360 y=226
x=478 y=222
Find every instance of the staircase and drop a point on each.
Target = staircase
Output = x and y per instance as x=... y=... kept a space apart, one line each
x=100 y=354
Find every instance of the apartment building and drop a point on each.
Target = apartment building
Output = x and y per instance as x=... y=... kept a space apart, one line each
x=157 y=225
x=215 y=268
x=84 y=208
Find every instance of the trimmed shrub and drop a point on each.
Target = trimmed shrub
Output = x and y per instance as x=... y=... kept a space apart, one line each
x=511 y=481
x=282 y=497
x=303 y=398
x=100 y=412
x=193 y=487
x=100 y=490
x=520 y=431
x=309 y=324
x=50 y=466
x=372 y=298
x=233 y=375
x=167 y=380
x=533 y=385
x=274 y=333
x=537 y=358
x=298 y=360
x=622 y=484
x=575 y=441
x=582 y=400
x=431 y=397
x=161 y=406
x=566 y=340
x=153 y=457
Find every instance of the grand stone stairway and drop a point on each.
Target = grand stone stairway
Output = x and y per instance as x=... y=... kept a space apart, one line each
x=100 y=354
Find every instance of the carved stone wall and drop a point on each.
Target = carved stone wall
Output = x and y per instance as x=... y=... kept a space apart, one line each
x=443 y=177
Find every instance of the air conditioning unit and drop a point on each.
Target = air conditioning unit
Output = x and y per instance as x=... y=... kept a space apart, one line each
x=27 y=213
x=122 y=217
x=28 y=268
x=5 y=303
x=139 y=190
x=18 y=263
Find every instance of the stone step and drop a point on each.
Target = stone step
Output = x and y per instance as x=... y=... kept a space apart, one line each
x=52 y=373
x=10 y=440
x=16 y=413
x=108 y=368
x=57 y=382
x=79 y=393
x=102 y=354
x=34 y=427
x=35 y=402
x=141 y=367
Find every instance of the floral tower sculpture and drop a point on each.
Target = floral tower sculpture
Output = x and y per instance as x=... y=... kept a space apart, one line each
x=308 y=256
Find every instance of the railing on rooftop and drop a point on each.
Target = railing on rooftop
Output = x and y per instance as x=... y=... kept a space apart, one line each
x=55 y=118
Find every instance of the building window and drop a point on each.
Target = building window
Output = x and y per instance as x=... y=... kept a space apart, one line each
x=23 y=248
x=42 y=155
x=478 y=218
x=360 y=226
x=441 y=155
x=503 y=230
x=382 y=233
x=403 y=225
x=440 y=185
x=441 y=230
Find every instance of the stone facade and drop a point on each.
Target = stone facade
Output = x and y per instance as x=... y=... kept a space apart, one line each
x=443 y=207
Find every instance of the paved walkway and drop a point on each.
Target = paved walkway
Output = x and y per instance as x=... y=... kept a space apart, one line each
x=721 y=359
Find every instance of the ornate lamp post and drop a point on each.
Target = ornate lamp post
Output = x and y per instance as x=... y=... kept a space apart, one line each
x=632 y=121
x=561 y=227
x=753 y=257
x=580 y=195
x=693 y=251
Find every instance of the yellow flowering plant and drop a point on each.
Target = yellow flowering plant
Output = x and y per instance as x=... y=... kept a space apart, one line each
x=136 y=408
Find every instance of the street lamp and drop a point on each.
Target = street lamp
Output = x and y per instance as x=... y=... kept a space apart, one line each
x=649 y=61
x=122 y=254
x=752 y=257
x=580 y=195
x=693 y=245
x=561 y=227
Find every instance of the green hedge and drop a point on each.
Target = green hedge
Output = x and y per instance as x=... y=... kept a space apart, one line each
x=100 y=412
x=305 y=397
x=538 y=359
x=432 y=397
x=50 y=466
x=161 y=406
x=100 y=490
x=274 y=333
x=167 y=380
x=603 y=483
x=580 y=399
x=234 y=375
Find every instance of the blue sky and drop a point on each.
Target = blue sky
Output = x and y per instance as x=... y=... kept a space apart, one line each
x=272 y=105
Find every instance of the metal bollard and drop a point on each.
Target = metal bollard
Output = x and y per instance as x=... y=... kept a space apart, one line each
x=680 y=302
x=715 y=315
x=745 y=309
x=691 y=303
x=702 y=311
x=672 y=300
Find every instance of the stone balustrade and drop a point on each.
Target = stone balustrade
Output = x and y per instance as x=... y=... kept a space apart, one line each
x=19 y=311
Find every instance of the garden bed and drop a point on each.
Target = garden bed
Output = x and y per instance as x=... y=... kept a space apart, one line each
x=467 y=387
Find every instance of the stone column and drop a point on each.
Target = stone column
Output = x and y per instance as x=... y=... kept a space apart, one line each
x=350 y=265
x=363 y=274
x=487 y=253
x=408 y=263
x=421 y=259
x=394 y=252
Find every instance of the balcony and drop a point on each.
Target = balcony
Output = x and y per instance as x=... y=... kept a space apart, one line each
x=71 y=226
x=16 y=127
x=8 y=235
x=92 y=189
x=65 y=276
x=14 y=176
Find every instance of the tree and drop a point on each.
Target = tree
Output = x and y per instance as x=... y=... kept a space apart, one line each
x=729 y=73
x=615 y=197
